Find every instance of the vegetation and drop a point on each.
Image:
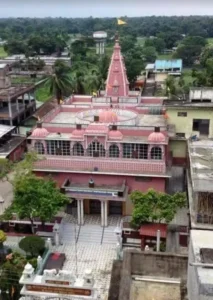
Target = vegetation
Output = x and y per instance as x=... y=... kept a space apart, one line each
x=60 y=83
x=5 y=167
x=3 y=238
x=153 y=206
x=34 y=197
x=11 y=271
x=33 y=245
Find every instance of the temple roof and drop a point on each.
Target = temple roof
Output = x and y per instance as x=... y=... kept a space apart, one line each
x=117 y=83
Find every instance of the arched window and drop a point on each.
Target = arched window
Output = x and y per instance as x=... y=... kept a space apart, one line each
x=78 y=150
x=156 y=153
x=113 y=151
x=39 y=147
x=96 y=149
x=58 y=147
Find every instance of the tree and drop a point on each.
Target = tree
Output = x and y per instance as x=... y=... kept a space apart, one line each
x=37 y=197
x=32 y=245
x=127 y=42
x=170 y=38
x=154 y=206
x=157 y=43
x=206 y=54
x=190 y=49
x=149 y=54
x=60 y=82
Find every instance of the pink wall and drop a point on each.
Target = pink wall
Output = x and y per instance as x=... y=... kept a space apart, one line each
x=155 y=183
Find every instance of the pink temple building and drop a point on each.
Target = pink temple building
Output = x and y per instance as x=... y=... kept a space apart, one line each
x=99 y=149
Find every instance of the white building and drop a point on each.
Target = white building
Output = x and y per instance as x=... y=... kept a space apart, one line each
x=200 y=265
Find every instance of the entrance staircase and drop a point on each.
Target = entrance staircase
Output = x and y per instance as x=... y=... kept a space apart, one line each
x=149 y=89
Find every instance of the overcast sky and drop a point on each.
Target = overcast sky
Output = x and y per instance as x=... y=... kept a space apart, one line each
x=103 y=8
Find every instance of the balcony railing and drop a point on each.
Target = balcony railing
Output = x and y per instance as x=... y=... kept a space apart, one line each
x=102 y=165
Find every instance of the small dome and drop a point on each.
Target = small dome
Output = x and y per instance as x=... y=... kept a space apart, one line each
x=40 y=132
x=156 y=137
x=115 y=135
x=108 y=116
x=78 y=133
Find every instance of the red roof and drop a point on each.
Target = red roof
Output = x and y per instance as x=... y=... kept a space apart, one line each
x=151 y=230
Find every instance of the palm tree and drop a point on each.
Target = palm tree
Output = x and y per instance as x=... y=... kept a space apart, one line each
x=60 y=82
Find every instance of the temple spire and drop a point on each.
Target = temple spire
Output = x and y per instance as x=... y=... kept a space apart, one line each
x=117 y=84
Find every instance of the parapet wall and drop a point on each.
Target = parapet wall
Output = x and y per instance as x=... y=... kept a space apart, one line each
x=139 y=263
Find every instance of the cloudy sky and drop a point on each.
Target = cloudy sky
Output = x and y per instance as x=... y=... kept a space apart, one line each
x=103 y=8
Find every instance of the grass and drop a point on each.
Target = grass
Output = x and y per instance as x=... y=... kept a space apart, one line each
x=210 y=41
x=2 y=52
x=42 y=93
x=141 y=40
x=165 y=56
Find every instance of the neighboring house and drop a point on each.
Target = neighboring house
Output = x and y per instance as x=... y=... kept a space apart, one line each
x=200 y=265
x=200 y=183
x=187 y=119
x=17 y=101
x=101 y=148
x=201 y=94
x=162 y=68
x=12 y=144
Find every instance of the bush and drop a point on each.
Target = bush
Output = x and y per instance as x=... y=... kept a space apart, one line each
x=3 y=237
x=32 y=245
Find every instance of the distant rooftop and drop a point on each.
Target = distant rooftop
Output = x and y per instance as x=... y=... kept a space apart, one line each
x=201 y=165
x=164 y=64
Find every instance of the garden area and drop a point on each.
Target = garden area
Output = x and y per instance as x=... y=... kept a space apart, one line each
x=13 y=261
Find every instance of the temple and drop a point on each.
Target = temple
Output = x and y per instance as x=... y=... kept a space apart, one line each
x=117 y=84
x=99 y=149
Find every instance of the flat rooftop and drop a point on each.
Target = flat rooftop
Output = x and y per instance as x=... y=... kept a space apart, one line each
x=15 y=91
x=202 y=239
x=143 y=120
x=201 y=165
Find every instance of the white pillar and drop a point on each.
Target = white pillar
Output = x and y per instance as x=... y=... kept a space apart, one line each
x=82 y=211
x=10 y=113
x=79 y=211
x=158 y=241
x=105 y=213
x=102 y=213
x=97 y=48
x=17 y=105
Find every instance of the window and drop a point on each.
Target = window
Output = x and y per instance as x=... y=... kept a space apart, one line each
x=39 y=147
x=96 y=149
x=78 y=150
x=201 y=125
x=182 y=114
x=114 y=151
x=137 y=151
x=180 y=134
x=58 y=147
x=156 y=153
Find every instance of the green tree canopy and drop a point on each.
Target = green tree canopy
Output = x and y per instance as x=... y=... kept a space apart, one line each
x=60 y=82
x=32 y=245
x=154 y=206
x=149 y=54
x=3 y=237
x=157 y=43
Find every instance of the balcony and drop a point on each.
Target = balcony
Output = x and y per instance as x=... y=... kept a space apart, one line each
x=102 y=165
x=100 y=192
x=4 y=111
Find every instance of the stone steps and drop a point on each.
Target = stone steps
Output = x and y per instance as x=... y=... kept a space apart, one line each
x=109 y=236
x=90 y=234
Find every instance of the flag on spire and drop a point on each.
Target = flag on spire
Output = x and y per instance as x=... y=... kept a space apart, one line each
x=121 y=22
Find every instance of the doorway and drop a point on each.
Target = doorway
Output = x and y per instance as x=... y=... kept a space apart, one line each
x=95 y=207
x=115 y=207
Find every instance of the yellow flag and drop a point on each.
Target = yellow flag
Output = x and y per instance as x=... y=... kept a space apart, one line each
x=94 y=94
x=121 y=22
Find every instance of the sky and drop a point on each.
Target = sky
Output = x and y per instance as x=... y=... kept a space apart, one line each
x=103 y=8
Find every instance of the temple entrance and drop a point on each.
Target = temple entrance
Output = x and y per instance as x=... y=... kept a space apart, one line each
x=115 y=207
x=95 y=207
